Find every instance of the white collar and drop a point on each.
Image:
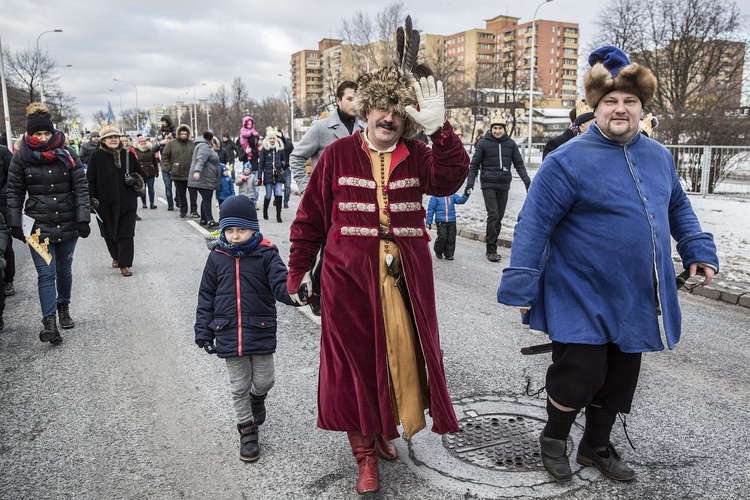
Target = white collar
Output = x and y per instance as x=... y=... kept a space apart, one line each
x=373 y=148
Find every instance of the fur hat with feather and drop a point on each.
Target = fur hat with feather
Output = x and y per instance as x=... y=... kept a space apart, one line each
x=612 y=70
x=391 y=87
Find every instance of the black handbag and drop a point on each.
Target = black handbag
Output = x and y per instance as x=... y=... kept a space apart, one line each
x=278 y=176
x=133 y=180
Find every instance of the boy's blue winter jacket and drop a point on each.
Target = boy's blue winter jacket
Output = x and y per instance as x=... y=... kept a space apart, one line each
x=442 y=208
x=226 y=185
x=237 y=300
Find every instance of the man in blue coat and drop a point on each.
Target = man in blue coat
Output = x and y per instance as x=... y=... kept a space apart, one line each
x=592 y=263
x=494 y=155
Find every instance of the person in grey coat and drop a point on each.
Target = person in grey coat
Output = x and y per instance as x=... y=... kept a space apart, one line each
x=340 y=124
x=205 y=176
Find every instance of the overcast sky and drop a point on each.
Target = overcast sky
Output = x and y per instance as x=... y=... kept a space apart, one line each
x=167 y=48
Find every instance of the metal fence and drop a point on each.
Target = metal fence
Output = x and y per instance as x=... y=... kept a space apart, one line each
x=716 y=170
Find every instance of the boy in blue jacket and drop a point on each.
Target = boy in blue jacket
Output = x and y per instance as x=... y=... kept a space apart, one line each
x=242 y=262
x=443 y=210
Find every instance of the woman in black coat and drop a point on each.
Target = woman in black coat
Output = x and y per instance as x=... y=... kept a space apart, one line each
x=58 y=201
x=116 y=203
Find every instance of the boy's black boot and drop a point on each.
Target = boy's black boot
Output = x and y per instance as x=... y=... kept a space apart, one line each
x=555 y=458
x=249 y=450
x=50 y=333
x=277 y=203
x=258 y=407
x=606 y=459
x=63 y=312
x=266 y=202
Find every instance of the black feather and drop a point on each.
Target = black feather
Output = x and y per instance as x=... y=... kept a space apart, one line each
x=411 y=52
x=399 y=46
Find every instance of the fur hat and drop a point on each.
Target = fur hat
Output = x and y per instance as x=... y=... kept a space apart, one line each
x=38 y=119
x=391 y=88
x=584 y=112
x=238 y=211
x=498 y=119
x=109 y=130
x=612 y=70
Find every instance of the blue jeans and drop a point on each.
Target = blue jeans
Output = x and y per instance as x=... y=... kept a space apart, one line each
x=167 y=178
x=256 y=188
x=150 y=189
x=274 y=189
x=287 y=185
x=55 y=281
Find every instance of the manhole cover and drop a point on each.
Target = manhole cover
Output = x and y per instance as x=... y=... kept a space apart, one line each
x=498 y=441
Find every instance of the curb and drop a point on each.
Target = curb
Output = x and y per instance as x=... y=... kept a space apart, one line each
x=733 y=297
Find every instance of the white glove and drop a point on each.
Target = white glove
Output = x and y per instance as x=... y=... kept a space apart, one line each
x=306 y=282
x=431 y=101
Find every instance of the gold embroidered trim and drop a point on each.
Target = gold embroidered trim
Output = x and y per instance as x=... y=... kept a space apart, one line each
x=354 y=206
x=357 y=182
x=404 y=183
x=408 y=231
x=359 y=231
x=410 y=206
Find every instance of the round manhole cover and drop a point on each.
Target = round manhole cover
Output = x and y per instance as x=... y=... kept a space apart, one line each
x=502 y=442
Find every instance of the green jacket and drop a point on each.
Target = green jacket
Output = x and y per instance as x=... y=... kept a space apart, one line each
x=178 y=155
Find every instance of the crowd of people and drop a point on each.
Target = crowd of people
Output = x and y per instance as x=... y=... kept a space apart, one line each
x=359 y=245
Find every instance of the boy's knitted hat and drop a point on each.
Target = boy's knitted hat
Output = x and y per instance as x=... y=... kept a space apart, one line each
x=238 y=211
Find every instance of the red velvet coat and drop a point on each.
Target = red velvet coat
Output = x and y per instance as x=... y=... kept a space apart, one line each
x=340 y=205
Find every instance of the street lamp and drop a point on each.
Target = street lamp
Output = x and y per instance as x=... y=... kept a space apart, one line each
x=137 y=120
x=120 y=96
x=6 y=107
x=41 y=70
x=178 y=101
x=531 y=82
x=291 y=112
x=195 y=108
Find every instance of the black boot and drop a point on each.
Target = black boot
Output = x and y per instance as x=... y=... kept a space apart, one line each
x=63 y=311
x=606 y=459
x=277 y=202
x=50 y=333
x=258 y=407
x=249 y=450
x=266 y=202
x=555 y=458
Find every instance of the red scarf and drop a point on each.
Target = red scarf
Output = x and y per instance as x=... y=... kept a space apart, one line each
x=33 y=150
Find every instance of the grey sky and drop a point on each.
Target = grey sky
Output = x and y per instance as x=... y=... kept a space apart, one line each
x=166 y=48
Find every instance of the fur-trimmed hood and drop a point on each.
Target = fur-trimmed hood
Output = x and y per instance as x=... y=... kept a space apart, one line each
x=612 y=70
x=181 y=128
x=279 y=146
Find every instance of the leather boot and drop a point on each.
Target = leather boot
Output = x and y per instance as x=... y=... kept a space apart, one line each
x=555 y=458
x=249 y=449
x=363 y=448
x=258 y=407
x=266 y=202
x=50 y=333
x=277 y=204
x=386 y=449
x=606 y=459
x=63 y=312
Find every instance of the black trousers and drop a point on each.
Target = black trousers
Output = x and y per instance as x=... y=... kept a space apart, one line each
x=10 y=262
x=495 y=201
x=182 y=190
x=122 y=250
x=317 y=268
x=602 y=375
x=445 y=243
x=206 y=199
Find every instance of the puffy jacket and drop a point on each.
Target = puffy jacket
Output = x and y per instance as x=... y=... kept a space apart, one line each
x=443 y=208
x=58 y=197
x=178 y=156
x=246 y=324
x=205 y=161
x=496 y=173
x=5 y=158
x=271 y=158
x=86 y=149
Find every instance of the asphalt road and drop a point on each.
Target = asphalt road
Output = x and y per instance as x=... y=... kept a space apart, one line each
x=129 y=407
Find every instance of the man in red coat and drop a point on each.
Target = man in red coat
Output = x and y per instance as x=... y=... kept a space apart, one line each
x=380 y=341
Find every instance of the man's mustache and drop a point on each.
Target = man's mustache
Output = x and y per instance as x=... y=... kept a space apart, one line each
x=385 y=124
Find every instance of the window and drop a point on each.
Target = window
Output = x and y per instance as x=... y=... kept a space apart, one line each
x=569 y=52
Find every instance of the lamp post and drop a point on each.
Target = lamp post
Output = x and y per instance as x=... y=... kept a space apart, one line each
x=178 y=101
x=195 y=108
x=137 y=120
x=120 y=96
x=531 y=82
x=291 y=112
x=41 y=71
x=6 y=107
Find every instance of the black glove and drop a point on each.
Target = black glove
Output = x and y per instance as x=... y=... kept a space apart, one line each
x=429 y=226
x=207 y=345
x=84 y=230
x=467 y=191
x=17 y=233
x=527 y=187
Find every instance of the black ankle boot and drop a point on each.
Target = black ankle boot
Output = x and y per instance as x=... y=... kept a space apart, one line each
x=50 y=333
x=555 y=458
x=277 y=203
x=258 y=407
x=63 y=312
x=249 y=450
x=266 y=202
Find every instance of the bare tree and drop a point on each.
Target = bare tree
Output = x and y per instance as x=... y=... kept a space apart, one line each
x=271 y=112
x=363 y=32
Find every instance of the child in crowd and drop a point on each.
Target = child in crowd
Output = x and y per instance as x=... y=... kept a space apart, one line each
x=242 y=262
x=226 y=186
x=246 y=182
x=443 y=210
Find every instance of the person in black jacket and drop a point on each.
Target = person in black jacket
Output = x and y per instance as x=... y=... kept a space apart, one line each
x=58 y=201
x=232 y=150
x=243 y=278
x=494 y=155
x=89 y=147
x=10 y=255
x=581 y=117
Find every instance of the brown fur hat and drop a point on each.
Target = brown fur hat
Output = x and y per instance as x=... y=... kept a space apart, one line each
x=612 y=70
x=385 y=89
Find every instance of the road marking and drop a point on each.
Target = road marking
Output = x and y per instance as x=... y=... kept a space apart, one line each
x=198 y=227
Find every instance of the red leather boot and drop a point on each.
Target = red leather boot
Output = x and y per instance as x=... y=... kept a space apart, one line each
x=386 y=449
x=363 y=448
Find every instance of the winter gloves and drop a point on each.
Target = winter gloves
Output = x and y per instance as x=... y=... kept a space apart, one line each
x=84 y=230
x=467 y=191
x=303 y=293
x=17 y=233
x=431 y=102
x=207 y=345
